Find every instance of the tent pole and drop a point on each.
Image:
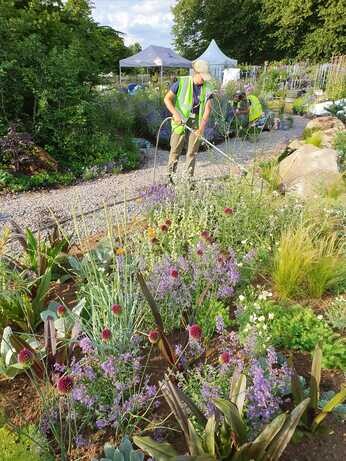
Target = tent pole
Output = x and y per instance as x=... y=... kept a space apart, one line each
x=161 y=75
x=119 y=75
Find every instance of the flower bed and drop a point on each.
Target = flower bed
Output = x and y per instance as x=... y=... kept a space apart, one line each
x=192 y=316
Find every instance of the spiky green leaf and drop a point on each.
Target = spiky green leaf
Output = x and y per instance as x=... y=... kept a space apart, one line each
x=338 y=399
x=209 y=434
x=315 y=377
x=233 y=418
x=160 y=451
x=282 y=439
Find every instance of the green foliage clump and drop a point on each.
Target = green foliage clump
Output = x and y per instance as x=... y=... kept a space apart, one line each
x=15 y=447
x=299 y=105
x=52 y=58
x=307 y=263
x=291 y=327
x=207 y=314
x=270 y=173
x=315 y=139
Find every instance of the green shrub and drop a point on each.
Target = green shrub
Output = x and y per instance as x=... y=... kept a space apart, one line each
x=299 y=106
x=207 y=314
x=291 y=327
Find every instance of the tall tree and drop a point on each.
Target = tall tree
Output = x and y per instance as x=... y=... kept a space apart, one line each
x=314 y=29
x=257 y=30
x=236 y=25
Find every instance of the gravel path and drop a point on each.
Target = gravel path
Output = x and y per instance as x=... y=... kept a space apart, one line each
x=35 y=209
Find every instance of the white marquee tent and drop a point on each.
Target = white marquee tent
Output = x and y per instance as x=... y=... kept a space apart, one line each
x=217 y=60
x=155 y=56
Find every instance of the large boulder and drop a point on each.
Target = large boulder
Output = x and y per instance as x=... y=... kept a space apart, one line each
x=308 y=170
x=328 y=127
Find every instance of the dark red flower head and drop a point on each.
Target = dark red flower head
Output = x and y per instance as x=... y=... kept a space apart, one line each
x=154 y=241
x=164 y=227
x=153 y=336
x=65 y=384
x=117 y=309
x=174 y=273
x=205 y=234
x=195 y=332
x=106 y=334
x=60 y=310
x=168 y=222
x=25 y=356
x=225 y=358
x=228 y=210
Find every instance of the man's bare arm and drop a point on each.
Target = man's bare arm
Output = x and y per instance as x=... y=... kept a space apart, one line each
x=169 y=102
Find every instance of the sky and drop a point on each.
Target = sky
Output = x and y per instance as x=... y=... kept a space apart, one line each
x=148 y=22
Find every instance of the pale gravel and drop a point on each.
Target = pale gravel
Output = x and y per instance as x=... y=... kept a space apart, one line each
x=35 y=209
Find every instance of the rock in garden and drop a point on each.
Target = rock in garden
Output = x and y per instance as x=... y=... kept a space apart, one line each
x=327 y=127
x=308 y=170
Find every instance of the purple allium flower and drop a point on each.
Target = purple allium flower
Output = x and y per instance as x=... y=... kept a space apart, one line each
x=65 y=384
x=116 y=309
x=164 y=227
x=153 y=336
x=61 y=310
x=195 y=332
x=228 y=211
x=106 y=334
x=25 y=356
x=225 y=358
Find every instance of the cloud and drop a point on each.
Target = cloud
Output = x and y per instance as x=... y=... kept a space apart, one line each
x=148 y=22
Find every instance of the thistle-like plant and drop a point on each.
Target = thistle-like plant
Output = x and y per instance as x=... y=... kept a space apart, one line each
x=125 y=452
x=225 y=438
x=312 y=416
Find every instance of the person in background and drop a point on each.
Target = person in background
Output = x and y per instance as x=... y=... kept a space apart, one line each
x=238 y=114
x=255 y=107
x=189 y=101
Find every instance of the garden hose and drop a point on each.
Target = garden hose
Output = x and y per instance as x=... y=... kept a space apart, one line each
x=242 y=170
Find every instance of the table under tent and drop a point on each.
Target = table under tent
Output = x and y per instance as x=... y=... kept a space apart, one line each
x=155 y=56
x=218 y=61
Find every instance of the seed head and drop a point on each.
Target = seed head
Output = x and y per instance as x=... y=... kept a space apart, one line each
x=65 y=384
x=25 y=356
x=195 y=332
x=106 y=334
x=153 y=336
x=225 y=358
x=117 y=309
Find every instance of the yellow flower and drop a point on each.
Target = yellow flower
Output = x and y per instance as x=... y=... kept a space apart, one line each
x=151 y=232
x=120 y=251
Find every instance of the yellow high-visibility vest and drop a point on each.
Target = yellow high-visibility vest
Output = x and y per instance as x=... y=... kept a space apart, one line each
x=255 y=108
x=184 y=102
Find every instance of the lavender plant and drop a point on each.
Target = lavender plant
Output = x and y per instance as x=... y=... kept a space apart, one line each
x=183 y=285
x=268 y=377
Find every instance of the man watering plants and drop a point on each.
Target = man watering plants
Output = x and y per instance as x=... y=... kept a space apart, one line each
x=189 y=101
